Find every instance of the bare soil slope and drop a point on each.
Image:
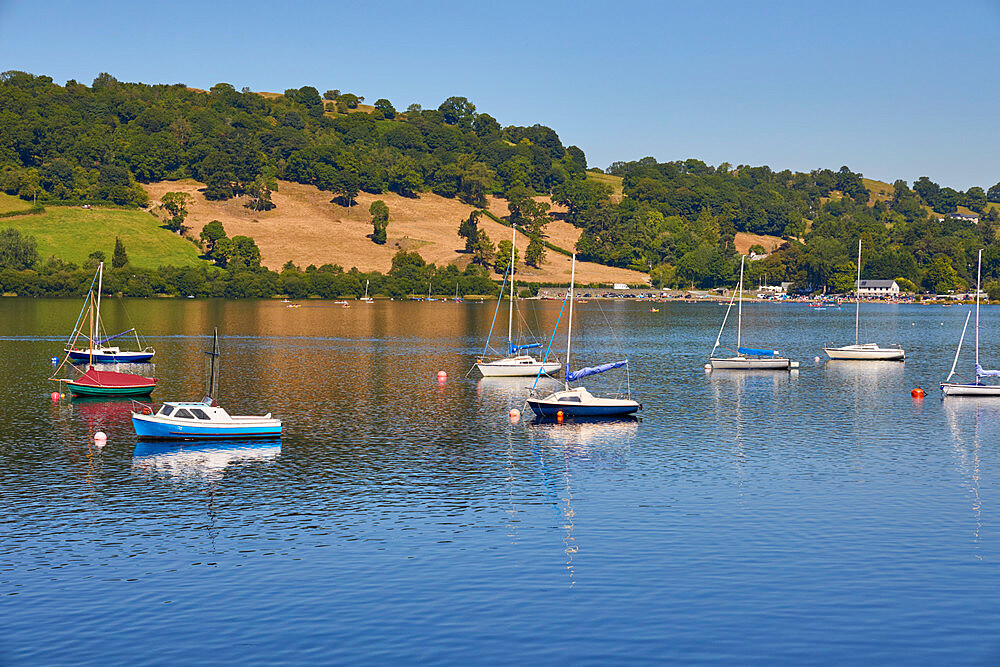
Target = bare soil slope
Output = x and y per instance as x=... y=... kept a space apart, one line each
x=306 y=228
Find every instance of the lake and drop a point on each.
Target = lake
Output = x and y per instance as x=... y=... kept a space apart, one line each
x=822 y=515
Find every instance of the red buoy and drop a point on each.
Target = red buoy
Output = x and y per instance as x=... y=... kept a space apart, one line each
x=918 y=393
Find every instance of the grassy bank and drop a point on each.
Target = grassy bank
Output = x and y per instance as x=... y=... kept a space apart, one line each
x=71 y=234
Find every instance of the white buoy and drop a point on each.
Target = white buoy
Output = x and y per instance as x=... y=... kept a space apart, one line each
x=100 y=438
x=708 y=367
x=816 y=359
x=442 y=374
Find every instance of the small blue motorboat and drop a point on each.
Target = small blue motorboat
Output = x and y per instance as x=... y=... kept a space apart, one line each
x=201 y=420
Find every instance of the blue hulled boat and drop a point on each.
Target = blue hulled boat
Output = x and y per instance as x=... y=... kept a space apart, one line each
x=201 y=420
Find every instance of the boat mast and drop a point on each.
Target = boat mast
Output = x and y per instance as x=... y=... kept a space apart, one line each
x=857 y=295
x=739 y=319
x=366 y=289
x=569 y=328
x=214 y=354
x=100 y=285
x=979 y=270
x=510 y=308
x=91 y=364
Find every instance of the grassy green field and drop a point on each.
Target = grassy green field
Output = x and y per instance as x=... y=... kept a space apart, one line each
x=10 y=203
x=72 y=233
x=614 y=181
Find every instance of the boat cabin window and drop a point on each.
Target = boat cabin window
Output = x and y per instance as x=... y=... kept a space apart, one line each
x=569 y=399
x=166 y=410
x=200 y=414
x=183 y=414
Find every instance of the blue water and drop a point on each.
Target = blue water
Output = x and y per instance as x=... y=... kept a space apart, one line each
x=817 y=516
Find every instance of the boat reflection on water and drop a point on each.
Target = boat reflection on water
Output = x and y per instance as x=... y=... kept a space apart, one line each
x=561 y=447
x=968 y=419
x=510 y=392
x=201 y=459
x=869 y=373
x=584 y=436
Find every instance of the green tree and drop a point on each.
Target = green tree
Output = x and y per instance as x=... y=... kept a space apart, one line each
x=175 y=204
x=119 y=257
x=484 y=250
x=503 y=257
x=534 y=254
x=380 y=221
x=993 y=194
x=211 y=234
x=385 y=106
x=17 y=251
x=468 y=229
x=941 y=276
x=259 y=192
x=458 y=111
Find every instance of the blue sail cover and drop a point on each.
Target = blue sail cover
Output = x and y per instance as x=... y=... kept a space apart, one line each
x=982 y=373
x=594 y=370
x=757 y=353
x=511 y=348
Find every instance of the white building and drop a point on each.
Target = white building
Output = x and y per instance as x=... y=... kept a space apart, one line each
x=877 y=288
x=968 y=217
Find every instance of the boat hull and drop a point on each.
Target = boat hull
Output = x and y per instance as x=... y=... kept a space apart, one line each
x=148 y=427
x=956 y=389
x=515 y=368
x=866 y=353
x=77 y=389
x=579 y=402
x=544 y=408
x=109 y=358
x=752 y=363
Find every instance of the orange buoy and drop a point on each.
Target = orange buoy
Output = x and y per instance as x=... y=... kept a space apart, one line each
x=559 y=416
x=918 y=392
x=442 y=374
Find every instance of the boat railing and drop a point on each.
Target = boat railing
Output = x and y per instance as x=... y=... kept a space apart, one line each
x=142 y=408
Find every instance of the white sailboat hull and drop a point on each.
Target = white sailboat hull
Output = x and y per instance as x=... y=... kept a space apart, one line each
x=956 y=389
x=866 y=352
x=520 y=366
x=752 y=363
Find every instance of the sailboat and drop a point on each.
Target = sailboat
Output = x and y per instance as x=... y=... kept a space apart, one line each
x=515 y=364
x=97 y=350
x=863 y=351
x=94 y=382
x=577 y=401
x=201 y=420
x=747 y=358
x=976 y=388
x=366 y=298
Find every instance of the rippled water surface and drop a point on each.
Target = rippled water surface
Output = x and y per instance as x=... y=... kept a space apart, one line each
x=819 y=515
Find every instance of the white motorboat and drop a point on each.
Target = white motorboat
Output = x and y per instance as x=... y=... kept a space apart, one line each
x=746 y=358
x=863 y=351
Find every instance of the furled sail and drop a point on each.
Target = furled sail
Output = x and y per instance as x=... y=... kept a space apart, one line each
x=758 y=353
x=512 y=348
x=594 y=370
x=981 y=372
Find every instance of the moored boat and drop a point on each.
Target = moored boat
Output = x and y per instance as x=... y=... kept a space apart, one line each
x=577 y=401
x=746 y=358
x=201 y=420
x=976 y=388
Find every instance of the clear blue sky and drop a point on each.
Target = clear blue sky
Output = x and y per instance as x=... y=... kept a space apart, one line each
x=891 y=89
